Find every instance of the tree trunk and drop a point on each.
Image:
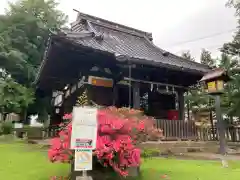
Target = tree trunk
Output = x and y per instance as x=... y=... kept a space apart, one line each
x=24 y=116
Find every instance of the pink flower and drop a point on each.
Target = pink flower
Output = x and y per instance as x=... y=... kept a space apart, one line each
x=67 y=116
x=141 y=126
x=56 y=143
x=118 y=130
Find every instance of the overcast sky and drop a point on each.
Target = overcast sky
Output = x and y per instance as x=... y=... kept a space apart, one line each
x=172 y=22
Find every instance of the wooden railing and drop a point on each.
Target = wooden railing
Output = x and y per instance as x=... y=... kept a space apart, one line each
x=177 y=129
x=211 y=134
x=172 y=130
x=187 y=130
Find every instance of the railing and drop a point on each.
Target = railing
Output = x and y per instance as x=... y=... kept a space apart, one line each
x=177 y=129
x=211 y=134
x=187 y=130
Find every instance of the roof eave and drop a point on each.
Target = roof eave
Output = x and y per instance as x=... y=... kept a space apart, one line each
x=123 y=58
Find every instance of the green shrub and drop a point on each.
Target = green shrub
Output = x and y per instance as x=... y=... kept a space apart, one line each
x=148 y=153
x=6 y=128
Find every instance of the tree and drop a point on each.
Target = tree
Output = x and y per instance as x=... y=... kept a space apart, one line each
x=187 y=55
x=194 y=98
x=207 y=59
x=231 y=98
x=24 y=30
x=14 y=98
x=233 y=48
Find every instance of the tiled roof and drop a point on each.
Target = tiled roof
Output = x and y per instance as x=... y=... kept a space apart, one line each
x=125 y=41
x=217 y=73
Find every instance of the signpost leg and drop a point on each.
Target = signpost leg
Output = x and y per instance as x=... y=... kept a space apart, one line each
x=221 y=128
x=84 y=174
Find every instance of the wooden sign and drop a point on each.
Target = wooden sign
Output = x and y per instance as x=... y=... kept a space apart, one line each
x=99 y=81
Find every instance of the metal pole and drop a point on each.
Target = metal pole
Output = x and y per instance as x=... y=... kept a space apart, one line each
x=84 y=174
x=221 y=130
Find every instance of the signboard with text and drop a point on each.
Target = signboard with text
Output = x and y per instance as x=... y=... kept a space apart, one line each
x=84 y=128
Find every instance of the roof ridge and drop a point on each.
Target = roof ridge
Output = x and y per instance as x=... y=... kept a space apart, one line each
x=113 y=25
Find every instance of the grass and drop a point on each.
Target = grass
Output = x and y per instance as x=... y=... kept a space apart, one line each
x=174 y=169
x=19 y=161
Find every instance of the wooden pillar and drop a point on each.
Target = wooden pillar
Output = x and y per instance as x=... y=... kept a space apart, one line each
x=136 y=95
x=115 y=95
x=181 y=104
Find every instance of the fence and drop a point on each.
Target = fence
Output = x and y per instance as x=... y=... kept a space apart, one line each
x=211 y=134
x=187 y=130
x=173 y=130
x=10 y=117
x=177 y=129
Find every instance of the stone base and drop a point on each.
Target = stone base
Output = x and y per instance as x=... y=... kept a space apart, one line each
x=84 y=178
x=134 y=171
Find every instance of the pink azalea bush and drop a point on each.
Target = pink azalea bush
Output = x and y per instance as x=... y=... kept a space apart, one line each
x=119 y=133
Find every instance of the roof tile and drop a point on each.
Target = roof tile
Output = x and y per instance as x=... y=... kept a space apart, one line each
x=133 y=45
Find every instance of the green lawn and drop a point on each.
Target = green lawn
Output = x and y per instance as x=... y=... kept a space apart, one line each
x=26 y=162
x=189 y=170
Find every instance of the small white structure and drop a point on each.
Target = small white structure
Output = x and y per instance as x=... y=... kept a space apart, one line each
x=33 y=121
x=18 y=125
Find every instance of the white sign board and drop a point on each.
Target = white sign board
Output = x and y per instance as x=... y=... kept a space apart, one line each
x=83 y=160
x=84 y=128
x=18 y=125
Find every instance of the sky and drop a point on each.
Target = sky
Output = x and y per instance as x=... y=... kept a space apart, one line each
x=176 y=25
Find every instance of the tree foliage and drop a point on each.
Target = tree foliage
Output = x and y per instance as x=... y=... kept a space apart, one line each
x=14 y=98
x=187 y=55
x=233 y=48
x=196 y=98
x=207 y=59
x=24 y=30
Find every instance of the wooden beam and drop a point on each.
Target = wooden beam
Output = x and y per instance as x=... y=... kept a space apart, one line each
x=181 y=104
x=155 y=83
